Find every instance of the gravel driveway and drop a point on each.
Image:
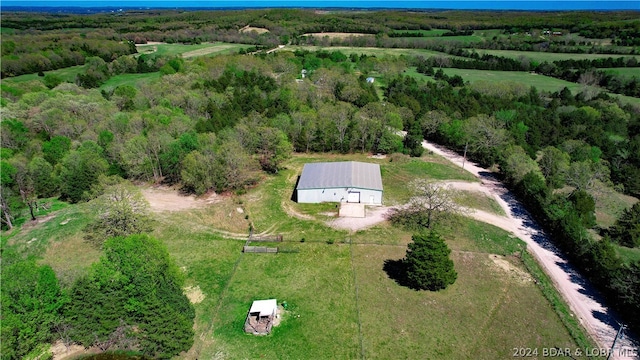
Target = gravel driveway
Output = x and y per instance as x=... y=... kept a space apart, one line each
x=583 y=299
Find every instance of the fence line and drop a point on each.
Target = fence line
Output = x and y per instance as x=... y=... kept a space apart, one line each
x=259 y=249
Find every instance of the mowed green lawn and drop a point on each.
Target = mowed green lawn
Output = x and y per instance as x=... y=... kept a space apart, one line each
x=342 y=304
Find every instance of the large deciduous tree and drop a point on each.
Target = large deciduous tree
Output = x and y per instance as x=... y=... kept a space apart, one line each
x=431 y=201
x=121 y=211
x=273 y=149
x=428 y=264
x=132 y=299
x=486 y=137
x=80 y=170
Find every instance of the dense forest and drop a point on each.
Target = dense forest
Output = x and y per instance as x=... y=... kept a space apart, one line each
x=225 y=123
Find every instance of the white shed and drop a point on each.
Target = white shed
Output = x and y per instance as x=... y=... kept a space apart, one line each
x=261 y=317
x=349 y=181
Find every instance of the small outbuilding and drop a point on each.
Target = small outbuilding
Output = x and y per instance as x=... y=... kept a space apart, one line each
x=370 y=80
x=261 y=316
x=348 y=181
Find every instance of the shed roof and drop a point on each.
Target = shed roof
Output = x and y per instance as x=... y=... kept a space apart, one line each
x=264 y=307
x=347 y=174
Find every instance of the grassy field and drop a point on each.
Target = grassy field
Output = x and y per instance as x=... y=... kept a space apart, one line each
x=426 y=33
x=129 y=79
x=477 y=200
x=547 y=56
x=541 y=82
x=217 y=48
x=66 y=74
x=609 y=207
x=624 y=72
x=342 y=303
x=628 y=255
x=371 y=51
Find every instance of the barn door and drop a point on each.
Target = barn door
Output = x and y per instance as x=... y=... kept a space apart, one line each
x=354 y=197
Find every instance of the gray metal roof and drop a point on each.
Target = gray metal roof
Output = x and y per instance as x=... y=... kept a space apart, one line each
x=347 y=174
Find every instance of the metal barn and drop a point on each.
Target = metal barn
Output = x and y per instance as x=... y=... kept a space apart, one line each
x=349 y=181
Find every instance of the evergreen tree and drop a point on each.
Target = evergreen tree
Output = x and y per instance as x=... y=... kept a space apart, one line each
x=31 y=303
x=428 y=264
x=133 y=299
x=626 y=230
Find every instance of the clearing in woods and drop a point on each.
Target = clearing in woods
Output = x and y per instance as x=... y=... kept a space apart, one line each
x=342 y=303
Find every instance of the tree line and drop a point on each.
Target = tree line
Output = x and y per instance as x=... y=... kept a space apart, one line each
x=542 y=145
x=27 y=50
x=583 y=71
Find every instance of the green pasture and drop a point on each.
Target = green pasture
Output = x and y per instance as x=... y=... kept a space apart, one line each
x=341 y=302
x=216 y=48
x=541 y=82
x=348 y=50
x=426 y=33
x=464 y=39
x=129 y=79
x=66 y=74
x=624 y=72
x=539 y=57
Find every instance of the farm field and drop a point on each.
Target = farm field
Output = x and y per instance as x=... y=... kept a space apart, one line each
x=188 y=51
x=334 y=280
x=371 y=51
x=426 y=33
x=549 y=57
x=541 y=82
x=626 y=72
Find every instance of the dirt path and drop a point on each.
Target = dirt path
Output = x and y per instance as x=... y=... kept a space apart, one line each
x=582 y=298
x=162 y=198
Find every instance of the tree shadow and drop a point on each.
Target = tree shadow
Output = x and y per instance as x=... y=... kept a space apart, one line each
x=397 y=271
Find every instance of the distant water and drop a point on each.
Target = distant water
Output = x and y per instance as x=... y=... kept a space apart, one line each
x=540 y=5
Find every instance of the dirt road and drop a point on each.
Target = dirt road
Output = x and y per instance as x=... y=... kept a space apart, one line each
x=583 y=299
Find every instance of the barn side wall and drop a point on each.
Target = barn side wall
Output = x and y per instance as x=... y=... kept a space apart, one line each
x=338 y=195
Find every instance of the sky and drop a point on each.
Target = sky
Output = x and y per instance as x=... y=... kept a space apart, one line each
x=410 y=4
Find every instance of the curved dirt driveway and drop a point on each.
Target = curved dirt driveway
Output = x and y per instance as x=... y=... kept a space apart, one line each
x=582 y=298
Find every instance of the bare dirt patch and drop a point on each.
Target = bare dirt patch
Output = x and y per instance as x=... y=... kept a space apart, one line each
x=60 y=351
x=194 y=293
x=504 y=265
x=248 y=28
x=37 y=221
x=167 y=199
x=374 y=215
